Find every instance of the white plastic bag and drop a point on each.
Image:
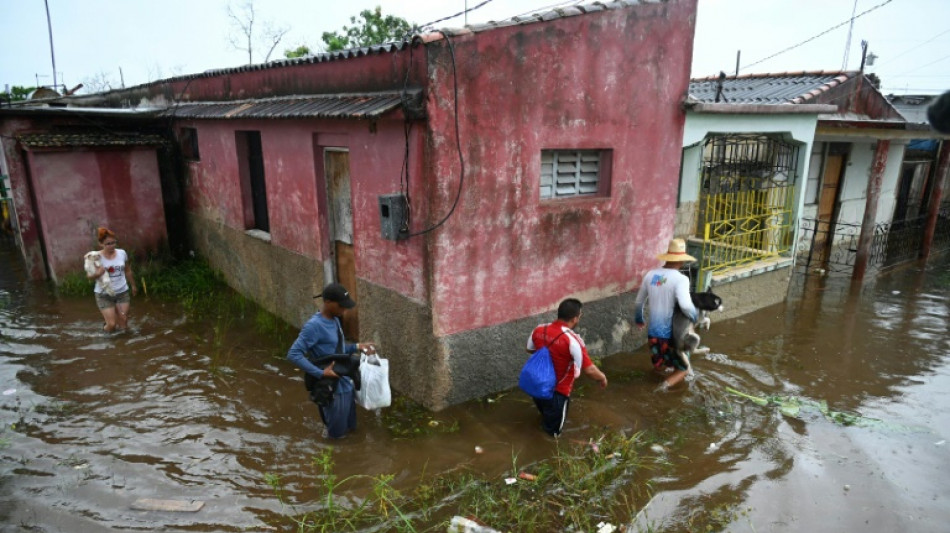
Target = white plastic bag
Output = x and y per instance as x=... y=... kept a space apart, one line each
x=374 y=374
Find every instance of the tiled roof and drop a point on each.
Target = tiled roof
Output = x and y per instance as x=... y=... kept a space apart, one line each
x=783 y=88
x=370 y=105
x=57 y=140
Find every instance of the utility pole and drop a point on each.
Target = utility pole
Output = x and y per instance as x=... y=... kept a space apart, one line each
x=847 y=45
x=52 y=54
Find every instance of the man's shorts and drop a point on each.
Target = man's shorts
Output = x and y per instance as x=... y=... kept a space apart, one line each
x=662 y=354
x=553 y=413
x=104 y=301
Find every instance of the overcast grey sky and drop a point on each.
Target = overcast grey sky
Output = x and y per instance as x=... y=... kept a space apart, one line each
x=151 y=40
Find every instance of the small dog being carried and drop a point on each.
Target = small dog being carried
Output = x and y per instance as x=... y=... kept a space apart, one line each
x=91 y=264
x=685 y=338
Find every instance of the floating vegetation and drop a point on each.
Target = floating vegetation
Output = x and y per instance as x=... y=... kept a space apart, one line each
x=792 y=406
x=408 y=419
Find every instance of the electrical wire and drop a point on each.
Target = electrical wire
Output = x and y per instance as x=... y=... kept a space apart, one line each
x=459 y=14
x=909 y=50
x=810 y=39
x=458 y=142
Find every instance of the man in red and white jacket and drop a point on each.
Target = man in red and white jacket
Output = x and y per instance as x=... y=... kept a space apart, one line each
x=570 y=358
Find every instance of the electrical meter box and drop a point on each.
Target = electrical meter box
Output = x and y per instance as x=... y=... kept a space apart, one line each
x=393 y=216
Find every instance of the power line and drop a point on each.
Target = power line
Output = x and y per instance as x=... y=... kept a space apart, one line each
x=905 y=52
x=920 y=67
x=459 y=14
x=810 y=39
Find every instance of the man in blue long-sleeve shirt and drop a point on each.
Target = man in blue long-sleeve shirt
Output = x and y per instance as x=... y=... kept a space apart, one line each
x=323 y=335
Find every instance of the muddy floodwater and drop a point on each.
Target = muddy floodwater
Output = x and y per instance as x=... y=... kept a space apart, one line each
x=179 y=409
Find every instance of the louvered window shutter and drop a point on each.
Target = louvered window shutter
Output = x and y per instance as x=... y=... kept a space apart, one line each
x=566 y=173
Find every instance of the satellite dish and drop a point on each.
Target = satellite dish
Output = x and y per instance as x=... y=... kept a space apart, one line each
x=44 y=92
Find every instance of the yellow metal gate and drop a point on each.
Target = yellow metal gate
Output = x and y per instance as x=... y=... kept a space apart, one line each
x=747 y=201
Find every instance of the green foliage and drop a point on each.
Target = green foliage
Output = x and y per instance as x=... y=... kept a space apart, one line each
x=374 y=28
x=75 y=284
x=192 y=282
x=301 y=51
x=17 y=93
x=582 y=485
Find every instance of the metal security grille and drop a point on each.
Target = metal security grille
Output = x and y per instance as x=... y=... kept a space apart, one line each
x=566 y=173
x=746 y=201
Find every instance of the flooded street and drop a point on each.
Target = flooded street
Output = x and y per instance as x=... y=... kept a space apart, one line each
x=179 y=409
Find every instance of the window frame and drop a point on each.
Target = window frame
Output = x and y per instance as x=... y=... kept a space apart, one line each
x=188 y=143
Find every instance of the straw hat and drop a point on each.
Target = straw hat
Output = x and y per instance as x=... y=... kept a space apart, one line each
x=676 y=253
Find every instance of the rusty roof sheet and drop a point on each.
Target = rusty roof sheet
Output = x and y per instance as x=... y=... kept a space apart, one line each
x=62 y=140
x=783 y=88
x=429 y=33
x=360 y=106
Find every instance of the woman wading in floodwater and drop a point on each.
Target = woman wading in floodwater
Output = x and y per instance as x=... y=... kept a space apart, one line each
x=115 y=309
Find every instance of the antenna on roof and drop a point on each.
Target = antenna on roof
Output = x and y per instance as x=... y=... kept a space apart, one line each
x=738 y=55
x=722 y=78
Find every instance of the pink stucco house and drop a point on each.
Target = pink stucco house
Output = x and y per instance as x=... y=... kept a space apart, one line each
x=461 y=184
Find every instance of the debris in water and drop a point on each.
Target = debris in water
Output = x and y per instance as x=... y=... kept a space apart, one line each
x=656 y=448
x=461 y=524
x=8 y=392
x=190 y=506
x=940 y=443
x=606 y=527
x=510 y=481
x=479 y=449
x=526 y=476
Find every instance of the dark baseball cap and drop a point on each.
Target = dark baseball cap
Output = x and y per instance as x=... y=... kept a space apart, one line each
x=335 y=292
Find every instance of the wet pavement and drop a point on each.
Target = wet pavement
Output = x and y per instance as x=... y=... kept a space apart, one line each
x=183 y=409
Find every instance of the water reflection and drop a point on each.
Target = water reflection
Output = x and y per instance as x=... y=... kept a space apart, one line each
x=174 y=411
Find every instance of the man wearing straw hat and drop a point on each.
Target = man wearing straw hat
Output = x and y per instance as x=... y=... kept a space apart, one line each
x=665 y=287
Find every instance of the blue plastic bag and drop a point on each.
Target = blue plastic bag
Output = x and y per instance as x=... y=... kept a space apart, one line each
x=537 y=376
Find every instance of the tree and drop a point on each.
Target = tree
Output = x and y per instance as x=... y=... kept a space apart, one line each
x=301 y=51
x=98 y=83
x=243 y=21
x=17 y=93
x=373 y=29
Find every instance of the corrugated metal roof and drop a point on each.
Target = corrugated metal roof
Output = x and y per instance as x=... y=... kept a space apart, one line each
x=784 y=88
x=431 y=34
x=58 y=140
x=363 y=106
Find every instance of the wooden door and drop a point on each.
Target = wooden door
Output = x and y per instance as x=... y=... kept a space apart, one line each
x=340 y=222
x=827 y=202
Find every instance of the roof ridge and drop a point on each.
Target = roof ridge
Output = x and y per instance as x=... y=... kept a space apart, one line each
x=790 y=74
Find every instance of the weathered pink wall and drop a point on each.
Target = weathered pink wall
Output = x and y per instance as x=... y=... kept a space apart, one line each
x=293 y=174
x=78 y=191
x=29 y=230
x=611 y=80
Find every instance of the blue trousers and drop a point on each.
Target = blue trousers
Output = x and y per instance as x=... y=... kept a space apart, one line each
x=340 y=415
